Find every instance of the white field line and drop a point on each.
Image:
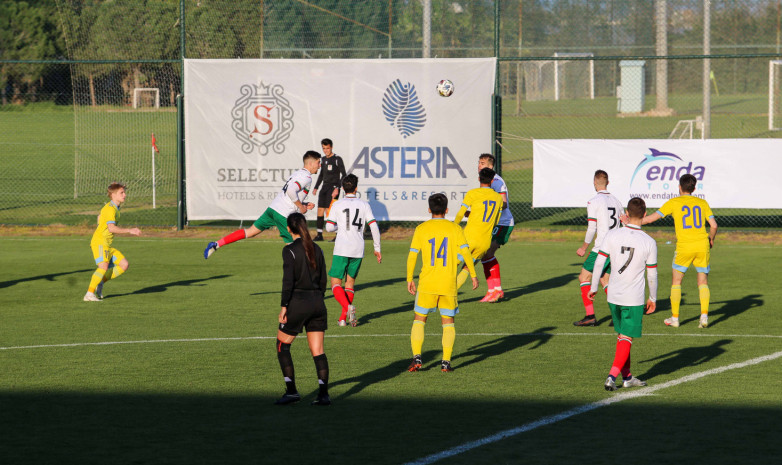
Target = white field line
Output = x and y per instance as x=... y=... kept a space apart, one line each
x=545 y=421
x=337 y=336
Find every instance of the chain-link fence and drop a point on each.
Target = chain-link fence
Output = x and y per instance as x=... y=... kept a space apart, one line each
x=85 y=84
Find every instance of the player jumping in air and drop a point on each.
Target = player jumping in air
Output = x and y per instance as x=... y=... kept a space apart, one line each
x=289 y=200
x=331 y=174
x=631 y=251
x=500 y=235
x=349 y=217
x=603 y=212
x=484 y=205
x=440 y=243
x=693 y=244
x=106 y=257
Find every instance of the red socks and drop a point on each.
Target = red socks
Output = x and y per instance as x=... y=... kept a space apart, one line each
x=491 y=269
x=342 y=298
x=237 y=235
x=622 y=357
x=350 y=294
x=588 y=304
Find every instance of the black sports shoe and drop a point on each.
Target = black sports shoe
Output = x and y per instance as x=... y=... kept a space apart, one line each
x=318 y=237
x=586 y=321
x=446 y=366
x=415 y=365
x=322 y=401
x=288 y=399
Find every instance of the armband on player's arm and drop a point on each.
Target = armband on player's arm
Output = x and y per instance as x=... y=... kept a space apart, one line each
x=412 y=257
x=599 y=263
x=651 y=276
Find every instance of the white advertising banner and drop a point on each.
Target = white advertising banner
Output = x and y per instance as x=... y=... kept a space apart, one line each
x=249 y=122
x=731 y=173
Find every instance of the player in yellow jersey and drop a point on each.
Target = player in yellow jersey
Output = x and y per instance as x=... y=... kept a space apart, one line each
x=693 y=244
x=106 y=257
x=440 y=242
x=482 y=206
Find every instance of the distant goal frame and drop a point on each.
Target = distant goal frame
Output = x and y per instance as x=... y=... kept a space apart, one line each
x=138 y=90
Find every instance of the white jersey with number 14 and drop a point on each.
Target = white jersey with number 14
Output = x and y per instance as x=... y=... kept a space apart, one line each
x=350 y=217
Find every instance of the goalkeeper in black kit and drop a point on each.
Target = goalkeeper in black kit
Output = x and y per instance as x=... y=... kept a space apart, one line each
x=332 y=171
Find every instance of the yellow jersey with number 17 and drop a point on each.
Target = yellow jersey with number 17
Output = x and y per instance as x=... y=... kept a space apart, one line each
x=690 y=216
x=485 y=208
x=440 y=243
x=108 y=214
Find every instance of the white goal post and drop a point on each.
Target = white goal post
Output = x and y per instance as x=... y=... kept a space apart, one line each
x=775 y=95
x=558 y=75
x=138 y=90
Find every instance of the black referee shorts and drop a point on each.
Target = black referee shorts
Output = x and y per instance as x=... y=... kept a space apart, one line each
x=324 y=196
x=306 y=310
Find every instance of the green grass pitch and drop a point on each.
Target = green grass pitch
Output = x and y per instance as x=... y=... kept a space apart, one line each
x=188 y=372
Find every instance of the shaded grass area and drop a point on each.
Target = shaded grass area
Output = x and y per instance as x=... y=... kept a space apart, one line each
x=182 y=398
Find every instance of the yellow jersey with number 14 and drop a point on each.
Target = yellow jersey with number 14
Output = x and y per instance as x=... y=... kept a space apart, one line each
x=690 y=216
x=440 y=243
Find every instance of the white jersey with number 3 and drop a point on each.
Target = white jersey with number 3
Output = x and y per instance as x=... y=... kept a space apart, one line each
x=300 y=182
x=631 y=252
x=350 y=216
x=603 y=212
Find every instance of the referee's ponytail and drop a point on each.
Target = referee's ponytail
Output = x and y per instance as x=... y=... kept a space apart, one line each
x=298 y=225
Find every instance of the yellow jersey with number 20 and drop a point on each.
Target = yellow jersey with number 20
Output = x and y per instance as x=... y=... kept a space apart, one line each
x=690 y=216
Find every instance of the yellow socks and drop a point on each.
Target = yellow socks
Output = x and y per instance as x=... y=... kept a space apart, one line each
x=676 y=300
x=417 y=336
x=462 y=277
x=705 y=295
x=449 y=336
x=97 y=277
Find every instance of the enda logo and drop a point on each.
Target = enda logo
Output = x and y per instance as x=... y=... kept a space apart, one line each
x=402 y=109
x=664 y=167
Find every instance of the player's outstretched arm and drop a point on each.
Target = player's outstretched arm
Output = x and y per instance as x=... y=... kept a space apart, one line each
x=461 y=214
x=651 y=218
x=114 y=229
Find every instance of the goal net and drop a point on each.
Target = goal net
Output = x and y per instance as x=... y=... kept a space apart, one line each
x=146 y=97
x=560 y=79
x=775 y=95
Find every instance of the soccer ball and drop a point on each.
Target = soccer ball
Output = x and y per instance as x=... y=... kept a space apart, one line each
x=445 y=88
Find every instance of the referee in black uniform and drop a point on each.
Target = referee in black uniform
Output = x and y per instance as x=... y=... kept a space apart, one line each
x=303 y=286
x=332 y=171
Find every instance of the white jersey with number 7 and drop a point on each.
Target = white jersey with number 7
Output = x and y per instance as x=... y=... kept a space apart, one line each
x=631 y=251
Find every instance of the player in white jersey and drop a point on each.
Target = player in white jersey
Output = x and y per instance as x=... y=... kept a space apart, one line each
x=603 y=211
x=631 y=251
x=290 y=199
x=500 y=235
x=350 y=217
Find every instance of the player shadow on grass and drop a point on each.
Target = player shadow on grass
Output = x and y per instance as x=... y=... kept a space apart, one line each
x=48 y=277
x=164 y=287
x=379 y=375
x=682 y=358
x=729 y=309
x=501 y=345
x=545 y=285
x=367 y=318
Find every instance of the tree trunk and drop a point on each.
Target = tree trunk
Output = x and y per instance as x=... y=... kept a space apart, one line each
x=172 y=97
x=92 y=91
